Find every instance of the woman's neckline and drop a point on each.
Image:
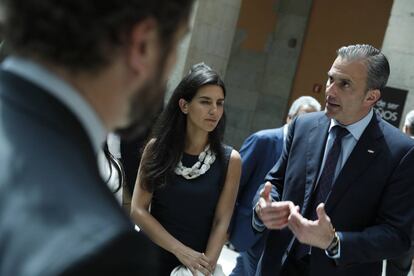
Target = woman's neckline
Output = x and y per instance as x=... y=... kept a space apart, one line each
x=190 y=154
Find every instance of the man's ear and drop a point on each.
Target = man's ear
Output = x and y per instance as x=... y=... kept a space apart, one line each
x=373 y=96
x=183 y=106
x=405 y=129
x=143 y=45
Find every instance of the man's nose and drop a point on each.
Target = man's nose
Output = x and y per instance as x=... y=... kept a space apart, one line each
x=330 y=89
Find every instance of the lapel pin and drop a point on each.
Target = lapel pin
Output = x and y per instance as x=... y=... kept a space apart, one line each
x=370 y=151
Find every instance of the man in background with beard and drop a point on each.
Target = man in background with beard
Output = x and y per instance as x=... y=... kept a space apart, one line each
x=78 y=70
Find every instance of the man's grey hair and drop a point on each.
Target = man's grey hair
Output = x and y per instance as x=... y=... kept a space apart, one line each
x=409 y=121
x=378 y=68
x=301 y=102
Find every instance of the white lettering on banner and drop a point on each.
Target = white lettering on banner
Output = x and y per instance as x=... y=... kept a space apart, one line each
x=381 y=103
x=388 y=115
x=392 y=106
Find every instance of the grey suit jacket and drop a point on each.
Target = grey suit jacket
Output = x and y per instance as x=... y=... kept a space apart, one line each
x=57 y=217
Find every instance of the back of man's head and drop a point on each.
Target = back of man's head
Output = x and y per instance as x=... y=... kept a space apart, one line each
x=82 y=35
x=303 y=104
x=409 y=123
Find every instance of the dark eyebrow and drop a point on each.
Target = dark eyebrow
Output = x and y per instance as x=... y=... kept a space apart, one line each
x=208 y=98
x=339 y=78
x=204 y=98
x=346 y=80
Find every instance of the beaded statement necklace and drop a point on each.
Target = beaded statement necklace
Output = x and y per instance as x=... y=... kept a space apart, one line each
x=205 y=159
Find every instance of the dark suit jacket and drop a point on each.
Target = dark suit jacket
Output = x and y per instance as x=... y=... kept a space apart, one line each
x=57 y=217
x=259 y=154
x=371 y=201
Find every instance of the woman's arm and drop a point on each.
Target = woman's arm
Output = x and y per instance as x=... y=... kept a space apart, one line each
x=224 y=210
x=141 y=216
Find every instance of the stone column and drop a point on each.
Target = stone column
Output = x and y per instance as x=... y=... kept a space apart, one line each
x=263 y=64
x=398 y=46
x=213 y=26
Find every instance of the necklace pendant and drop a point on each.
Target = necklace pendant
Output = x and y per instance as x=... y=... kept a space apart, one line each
x=205 y=159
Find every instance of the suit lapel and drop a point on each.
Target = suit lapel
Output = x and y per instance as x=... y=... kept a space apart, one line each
x=314 y=153
x=365 y=151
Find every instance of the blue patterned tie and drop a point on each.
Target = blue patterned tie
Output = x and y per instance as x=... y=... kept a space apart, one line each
x=325 y=182
x=328 y=172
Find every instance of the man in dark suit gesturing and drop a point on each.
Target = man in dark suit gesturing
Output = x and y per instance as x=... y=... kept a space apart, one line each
x=340 y=198
x=78 y=70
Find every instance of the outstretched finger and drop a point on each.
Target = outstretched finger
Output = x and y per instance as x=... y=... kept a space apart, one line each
x=262 y=203
x=320 y=211
x=266 y=192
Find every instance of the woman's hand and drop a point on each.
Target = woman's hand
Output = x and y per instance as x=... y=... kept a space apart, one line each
x=195 y=261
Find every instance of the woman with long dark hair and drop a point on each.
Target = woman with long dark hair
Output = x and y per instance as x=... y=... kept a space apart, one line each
x=188 y=179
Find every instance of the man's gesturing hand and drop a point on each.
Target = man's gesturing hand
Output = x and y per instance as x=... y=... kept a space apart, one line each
x=274 y=215
x=319 y=233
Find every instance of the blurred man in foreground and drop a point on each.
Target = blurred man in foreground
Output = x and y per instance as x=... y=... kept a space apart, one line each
x=78 y=70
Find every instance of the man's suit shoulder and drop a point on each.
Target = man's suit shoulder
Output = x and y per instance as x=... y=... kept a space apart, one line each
x=312 y=117
x=307 y=121
x=268 y=133
x=394 y=137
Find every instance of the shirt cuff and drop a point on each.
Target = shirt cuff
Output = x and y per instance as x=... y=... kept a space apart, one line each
x=338 y=254
x=257 y=223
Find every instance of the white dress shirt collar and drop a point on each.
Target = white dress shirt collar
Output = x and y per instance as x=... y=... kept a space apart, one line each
x=357 y=128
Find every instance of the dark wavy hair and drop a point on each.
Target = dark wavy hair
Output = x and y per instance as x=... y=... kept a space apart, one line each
x=83 y=35
x=170 y=129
